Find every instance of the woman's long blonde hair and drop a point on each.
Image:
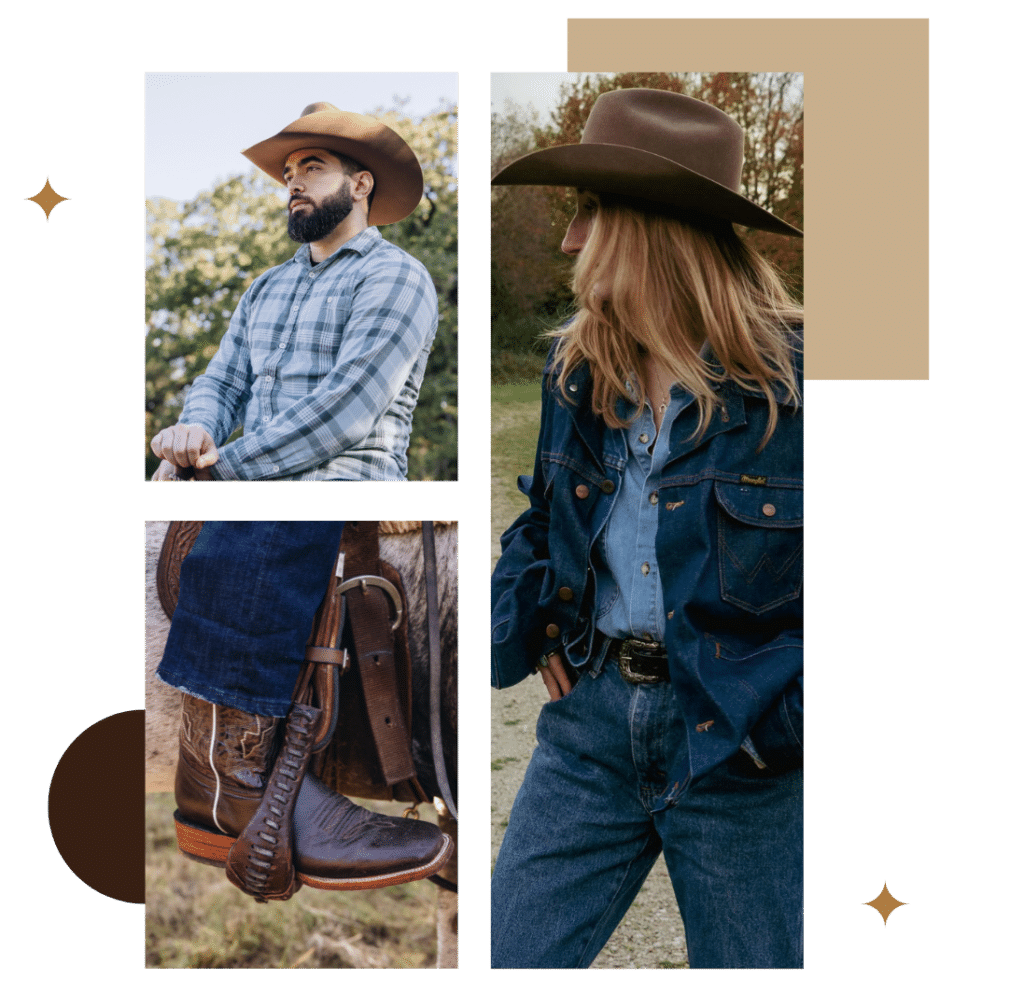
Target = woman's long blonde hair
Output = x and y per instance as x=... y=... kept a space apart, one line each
x=663 y=285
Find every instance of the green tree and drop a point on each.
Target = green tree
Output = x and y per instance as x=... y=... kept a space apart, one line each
x=204 y=253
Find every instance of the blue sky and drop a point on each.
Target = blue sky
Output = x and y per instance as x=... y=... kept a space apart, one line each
x=198 y=123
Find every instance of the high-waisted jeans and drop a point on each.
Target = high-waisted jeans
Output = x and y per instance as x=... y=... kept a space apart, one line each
x=581 y=839
x=248 y=595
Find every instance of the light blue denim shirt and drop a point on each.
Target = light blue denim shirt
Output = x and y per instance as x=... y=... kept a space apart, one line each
x=629 y=596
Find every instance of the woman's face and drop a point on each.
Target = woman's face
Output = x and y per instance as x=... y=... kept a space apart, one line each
x=587 y=205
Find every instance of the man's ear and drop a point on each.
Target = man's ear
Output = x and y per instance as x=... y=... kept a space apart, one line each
x=362 y=185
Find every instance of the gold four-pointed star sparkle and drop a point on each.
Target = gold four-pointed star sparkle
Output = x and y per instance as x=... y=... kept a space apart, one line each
x=47 y=198
x=885 y=903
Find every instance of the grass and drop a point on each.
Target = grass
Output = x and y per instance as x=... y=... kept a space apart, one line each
x=515 y=423
x=195 y=918
x=498 y=763
x=509 y=368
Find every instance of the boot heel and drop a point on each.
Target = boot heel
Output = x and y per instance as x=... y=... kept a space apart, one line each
x=201 y=844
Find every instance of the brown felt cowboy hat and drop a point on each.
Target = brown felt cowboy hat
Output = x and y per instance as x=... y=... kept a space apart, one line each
x=397 y=176
x=656 y=146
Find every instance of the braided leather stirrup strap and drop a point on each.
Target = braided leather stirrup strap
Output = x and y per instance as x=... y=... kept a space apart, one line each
x=260 y=861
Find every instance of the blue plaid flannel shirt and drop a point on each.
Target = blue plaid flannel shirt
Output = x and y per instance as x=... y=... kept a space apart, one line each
x=322 y=365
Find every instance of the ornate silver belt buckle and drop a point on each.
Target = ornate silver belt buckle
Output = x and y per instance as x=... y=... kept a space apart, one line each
x=631 y=649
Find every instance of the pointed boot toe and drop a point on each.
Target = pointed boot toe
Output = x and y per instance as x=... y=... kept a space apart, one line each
x=340 y=845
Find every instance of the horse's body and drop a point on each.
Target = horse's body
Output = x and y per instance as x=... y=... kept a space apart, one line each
x=405 y=552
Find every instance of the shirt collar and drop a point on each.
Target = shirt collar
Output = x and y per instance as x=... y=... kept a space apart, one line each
x=361 y=244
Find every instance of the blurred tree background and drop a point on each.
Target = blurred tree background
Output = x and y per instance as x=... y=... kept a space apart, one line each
x=529 y=274
x=203 y=253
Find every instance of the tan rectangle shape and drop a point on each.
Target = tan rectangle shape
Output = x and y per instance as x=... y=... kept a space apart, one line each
x=866 y=165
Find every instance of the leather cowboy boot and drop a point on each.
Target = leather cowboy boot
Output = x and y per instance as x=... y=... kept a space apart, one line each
x=227 y=764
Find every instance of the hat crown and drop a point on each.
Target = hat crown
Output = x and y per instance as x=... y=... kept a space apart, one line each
x=686 y=131
x=316 y=108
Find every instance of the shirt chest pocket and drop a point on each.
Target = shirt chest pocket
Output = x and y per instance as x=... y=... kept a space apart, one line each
x=760 y=545
x=330 y=312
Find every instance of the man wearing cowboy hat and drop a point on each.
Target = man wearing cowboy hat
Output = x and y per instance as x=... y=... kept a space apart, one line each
x=325 y=354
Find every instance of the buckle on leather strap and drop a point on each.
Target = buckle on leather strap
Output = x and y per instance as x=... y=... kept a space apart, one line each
x=362 y=581
x=642 y=662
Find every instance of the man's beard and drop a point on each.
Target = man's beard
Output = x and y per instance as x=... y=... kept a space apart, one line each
x=316 y=224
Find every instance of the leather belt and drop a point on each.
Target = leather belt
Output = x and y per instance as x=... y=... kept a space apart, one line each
x=640 y=662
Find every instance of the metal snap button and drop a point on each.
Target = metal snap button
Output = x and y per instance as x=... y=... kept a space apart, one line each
x=768 y=510
x=607 y=486
x=654 y=499
x=565 y=594
x=582 y=491
x=552 y=630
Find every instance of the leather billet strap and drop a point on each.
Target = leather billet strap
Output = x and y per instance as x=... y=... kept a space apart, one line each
x=370 y=622
x=260 y=861
x=318 y=682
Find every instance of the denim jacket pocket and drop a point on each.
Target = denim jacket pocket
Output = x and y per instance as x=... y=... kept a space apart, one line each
x=760 y=545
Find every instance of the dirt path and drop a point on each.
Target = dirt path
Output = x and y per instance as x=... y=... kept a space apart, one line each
x=651 y=934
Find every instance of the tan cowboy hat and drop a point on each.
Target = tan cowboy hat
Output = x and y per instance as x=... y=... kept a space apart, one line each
x=657 y=146
x=397 y=176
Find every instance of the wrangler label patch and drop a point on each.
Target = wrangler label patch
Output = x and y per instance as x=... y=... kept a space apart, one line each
x=754 y=480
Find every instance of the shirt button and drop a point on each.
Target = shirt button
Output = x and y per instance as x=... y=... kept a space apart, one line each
x=265 y=419
x=573 y=387
x=643 y=439
x=294 y=309
x=281 y=346
x=670 y=614
x=654 y=499
x=768 y=510
x=582 y=491
x=645 y=568
x=565 y=594
x=269 y=377
x=607 y=486
x=552 y=630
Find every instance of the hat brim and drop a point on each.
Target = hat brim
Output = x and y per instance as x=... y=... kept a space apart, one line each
x=642 y=175
x=397 y=176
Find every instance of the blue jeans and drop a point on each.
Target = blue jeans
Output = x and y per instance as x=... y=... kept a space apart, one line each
x=248 y=595
x=581 y=840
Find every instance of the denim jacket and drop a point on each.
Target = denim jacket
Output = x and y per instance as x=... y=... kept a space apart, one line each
x=733 y=600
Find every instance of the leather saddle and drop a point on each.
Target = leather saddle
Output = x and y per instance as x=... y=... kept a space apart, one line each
x=362 y=743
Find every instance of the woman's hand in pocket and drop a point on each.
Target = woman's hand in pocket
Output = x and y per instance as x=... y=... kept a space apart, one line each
x=555 y=676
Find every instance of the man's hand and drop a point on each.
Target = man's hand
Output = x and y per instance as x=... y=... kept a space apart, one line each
x=185 y=446
x=171 y=473
x=555 y=677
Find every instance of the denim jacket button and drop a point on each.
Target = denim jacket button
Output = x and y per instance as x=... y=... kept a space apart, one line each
x=582 y=491
x=552 y=630
x=607 y=486
x=768 y=510
x=565 y=594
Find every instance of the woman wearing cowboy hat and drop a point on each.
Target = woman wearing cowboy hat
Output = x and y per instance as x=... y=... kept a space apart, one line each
x=656 y=578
